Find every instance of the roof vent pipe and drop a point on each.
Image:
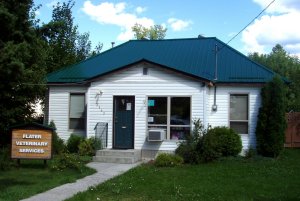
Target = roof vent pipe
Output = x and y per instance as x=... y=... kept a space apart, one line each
x=112 y=44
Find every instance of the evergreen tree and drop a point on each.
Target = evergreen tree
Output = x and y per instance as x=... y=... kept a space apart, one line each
x=271 y=125
x=22 y=67
x=66 y=45
x=286 y=65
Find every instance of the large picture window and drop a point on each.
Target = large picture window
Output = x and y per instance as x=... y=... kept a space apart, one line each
x=172 y=114
x=77 y=112
x=239 y=113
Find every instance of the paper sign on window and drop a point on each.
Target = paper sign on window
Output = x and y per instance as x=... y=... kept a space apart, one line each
x=150 y=119
x=151 y=103
x=128 y=106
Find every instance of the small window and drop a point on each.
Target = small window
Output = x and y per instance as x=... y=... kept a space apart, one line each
x=145 y=71
x=77 y=112
x=239 y=113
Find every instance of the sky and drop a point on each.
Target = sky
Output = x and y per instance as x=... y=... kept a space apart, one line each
x=111 y=21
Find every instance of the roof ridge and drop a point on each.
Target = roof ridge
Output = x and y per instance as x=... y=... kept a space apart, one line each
x=169 y=39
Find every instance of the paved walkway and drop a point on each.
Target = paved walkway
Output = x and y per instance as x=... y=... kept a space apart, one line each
x=105 y=171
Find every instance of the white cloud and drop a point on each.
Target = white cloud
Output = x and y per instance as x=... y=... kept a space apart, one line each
x=52 y=3
x=179 y=25
x=278 y=26
x=37 y=13
x=140 y=9
x=116 y=14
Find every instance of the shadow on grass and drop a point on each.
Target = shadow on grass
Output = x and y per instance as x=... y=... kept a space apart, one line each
x=6 y=183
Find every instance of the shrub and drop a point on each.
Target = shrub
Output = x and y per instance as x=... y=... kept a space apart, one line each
x=97 y=143
x=218 y=142
x=5 y=161
x=66 y=161
x=189 y=148
x=168 y=160
x=188 y=152
x=250 y=153
x=88 y=147
x=271 y=124
x=58 y=144
x=229 y=141
x=73 y=143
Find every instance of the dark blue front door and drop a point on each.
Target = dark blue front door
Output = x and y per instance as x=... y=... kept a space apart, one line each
x=123 y=122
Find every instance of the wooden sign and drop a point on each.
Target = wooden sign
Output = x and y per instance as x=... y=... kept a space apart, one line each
x=31 y=143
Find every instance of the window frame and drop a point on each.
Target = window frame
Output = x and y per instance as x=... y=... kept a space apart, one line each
x=169 y=125
x=85 y=114
x=248 y=111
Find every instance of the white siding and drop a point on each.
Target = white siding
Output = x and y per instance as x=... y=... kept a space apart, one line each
x=59 y=108
x=221 y=116
x=131 y=81
x=158 y=82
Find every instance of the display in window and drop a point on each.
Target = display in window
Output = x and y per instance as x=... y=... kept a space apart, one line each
x=179 y=133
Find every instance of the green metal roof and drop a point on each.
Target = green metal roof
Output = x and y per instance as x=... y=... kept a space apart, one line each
x=194 y=57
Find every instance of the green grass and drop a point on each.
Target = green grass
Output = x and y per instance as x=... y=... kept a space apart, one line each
x=229 y=179
x=32 y=177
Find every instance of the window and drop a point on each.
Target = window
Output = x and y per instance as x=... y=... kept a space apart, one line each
x=145 y=71
x=77 y=112
x=239 y=113
x=172 y=114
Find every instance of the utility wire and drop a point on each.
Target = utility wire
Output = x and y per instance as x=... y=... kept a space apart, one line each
x=250 y=22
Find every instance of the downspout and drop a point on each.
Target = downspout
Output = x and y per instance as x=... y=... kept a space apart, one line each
x=215 y=107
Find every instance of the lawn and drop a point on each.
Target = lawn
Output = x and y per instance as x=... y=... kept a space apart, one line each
x=229 y=179
x=32 y=178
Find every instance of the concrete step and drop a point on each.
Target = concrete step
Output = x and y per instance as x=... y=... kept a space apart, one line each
x=118 y=156
x=115 y=152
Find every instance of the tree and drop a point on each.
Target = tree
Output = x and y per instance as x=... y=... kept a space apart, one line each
x=286 y=65
x=271 y=124
x=156 y=32
x=22 y=66
x=66 y=45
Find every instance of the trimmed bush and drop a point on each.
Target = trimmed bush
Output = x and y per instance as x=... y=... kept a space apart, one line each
x=168 y=160
x=73 y=143
x=218 y=142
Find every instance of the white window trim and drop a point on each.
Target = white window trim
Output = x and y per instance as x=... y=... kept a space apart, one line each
x=239 y=93
x=168 y=125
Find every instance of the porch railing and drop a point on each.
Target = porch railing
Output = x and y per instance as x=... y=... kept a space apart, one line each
x=101 y=130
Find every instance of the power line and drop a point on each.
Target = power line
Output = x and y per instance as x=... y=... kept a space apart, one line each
x=250 y=22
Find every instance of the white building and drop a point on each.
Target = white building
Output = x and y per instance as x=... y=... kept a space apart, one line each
x=148 y=93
